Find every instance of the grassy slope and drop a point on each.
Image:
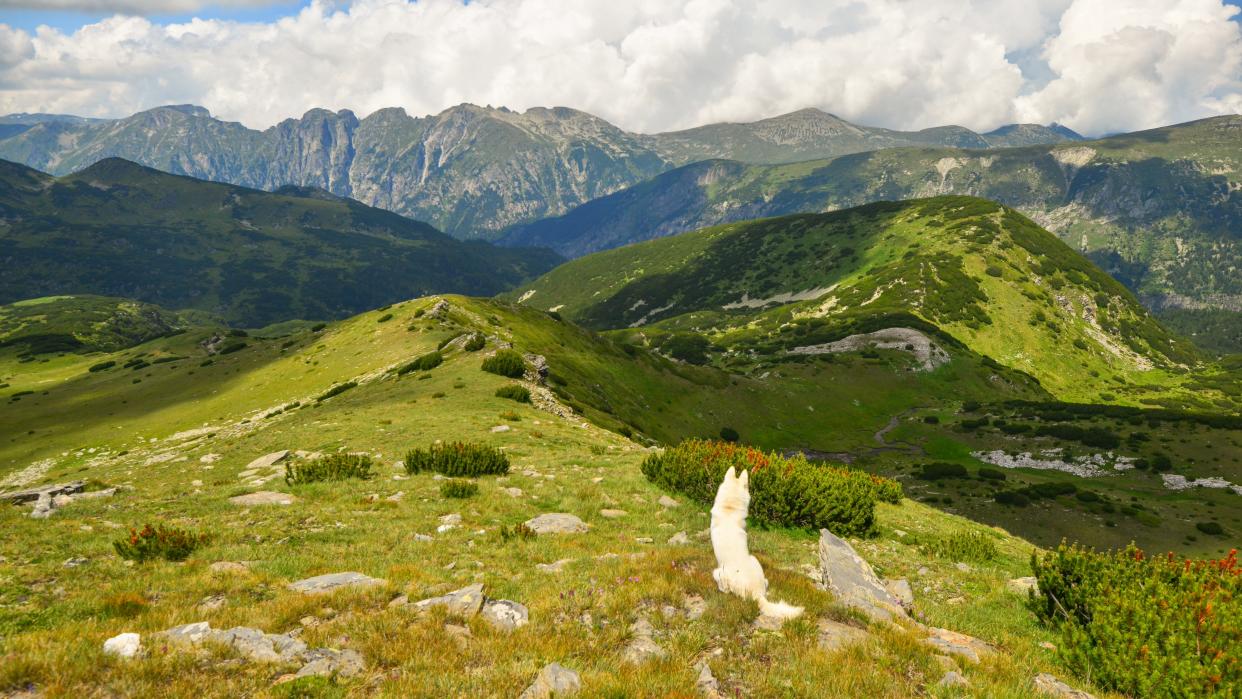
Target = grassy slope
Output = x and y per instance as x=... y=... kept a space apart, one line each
x=254 y=257
x=983 y=274
x=106 y=427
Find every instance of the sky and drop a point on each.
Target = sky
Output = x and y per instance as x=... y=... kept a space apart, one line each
x=1097 y=66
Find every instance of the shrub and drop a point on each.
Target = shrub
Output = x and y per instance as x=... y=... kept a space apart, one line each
x=232 y=347
x=519 y=532
x=514 y=392
x=506 y=362
x=458 y=459
x=318 y=326
x=1212 y=528
x=790 y=492
x=942 y=469
x=159 y=541
x=101 y=366
x=384 y=318
x=475 y=343
x=965 y=546
x=458 y=488
x=337 y=390
x=426 y=362
x=1012 y=498
x=992 y=474
x=729 y=434
x=333 y=467
x=1145 y=626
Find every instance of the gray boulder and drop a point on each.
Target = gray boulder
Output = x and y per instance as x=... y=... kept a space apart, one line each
x=557 y=523
x=322 y=584
x=263 y=497
x=852 y=581
x=325 y=662
x=553 y=681
x=642 y=647
x=465 y=602
x=1048 y=685
x=505 y=615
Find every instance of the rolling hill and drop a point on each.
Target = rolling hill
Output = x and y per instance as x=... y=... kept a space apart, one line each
x=469 y=170
x=1160 y=210
x=252 y=257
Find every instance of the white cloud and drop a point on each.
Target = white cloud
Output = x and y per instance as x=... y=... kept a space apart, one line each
x=1095 y=65
x=133 y=7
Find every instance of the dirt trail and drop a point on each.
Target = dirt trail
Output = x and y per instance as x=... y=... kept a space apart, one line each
x=885 y=447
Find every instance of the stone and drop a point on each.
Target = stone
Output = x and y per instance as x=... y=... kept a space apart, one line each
x=228 y=568
x=553 y=680
x=833 y=635
x=211 y=603
x=326 y=662
x=848 y=577
x=460 y=634
x=187 y=634
x=554 y=567
x=263 y=497
x=959 y=644
x=556 y=523
x=253 y=644
x=953 y=679
x=512 y=492
x=666 y=501
x=644 y=540
x=679 y=539
x=75 y=562
x=267 y=460
x=695 y=606
x=1048 y=685
x=124 y=645
x=465 y=602
x=501 y=428
x=321 y=584
x=612 y=514
x=21 y=497
x=43 y=507
x=706 y=682
x=900 y=590
x=642 y=647
x=1023 y=586
x=505 y=615
x=423 y=537
x=964 y=567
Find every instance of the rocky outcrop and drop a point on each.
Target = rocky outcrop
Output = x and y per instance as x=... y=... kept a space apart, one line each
x=852 y=581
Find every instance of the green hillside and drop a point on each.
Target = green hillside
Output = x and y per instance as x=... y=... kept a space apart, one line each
x=83 y=324
x=982 y=274
x=1159 y=210
x=253 y=258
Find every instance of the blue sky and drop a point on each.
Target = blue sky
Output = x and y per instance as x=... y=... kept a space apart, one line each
x=67 y=21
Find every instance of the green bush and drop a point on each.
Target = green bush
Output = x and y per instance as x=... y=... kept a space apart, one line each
x=1211 y=528
x=942 y=469
x=789 y=492
x=729 y=434
x=514 y=392
x=426 y=362
x=333 y=467
x=965 y=546
x=458 y=488
x=991 y=474
x=1144 y=626
x=232 y=347
x=458 y=459
x=518 y=532
x=169 y=543
x=384 y=318
x=337 y=390
x=506 y=362
x=1013 y=498
x=101 y=366
x=475 y=343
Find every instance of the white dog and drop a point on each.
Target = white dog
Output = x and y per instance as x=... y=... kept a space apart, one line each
x=737 y=571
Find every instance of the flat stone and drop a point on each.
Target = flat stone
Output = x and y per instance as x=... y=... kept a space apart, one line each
x=833 y=635
x=21 y=497
x=460 y=634
x=75 y=562
x=501 y=428
x=211 y=603
x=953 y=679
x=255 y=645
x=641 y=647
x=267 y=460
x=964 y=567
x=124 y=645
x=553 y=680
x=263 y=497
x=612 y=514
x=228 y=568
x=321 y=584
x=556 y=523
x=900 y=590
x=505 y=615
x=554 y=567
x=326 y=662
x=706 y=682
x=1048 y=685
x=644 y=540
x=187 y=633
x=679 y=539
x=958 y=644
x=1023 y=586
x=695 y=606
x=512 y=492
x=666 y=501
x=852 y=581
x=465 y=602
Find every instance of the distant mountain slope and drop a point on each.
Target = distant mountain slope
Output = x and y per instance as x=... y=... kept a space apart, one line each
x=120 y=229
x=1160 y=210
x=468 y=170
x=83 y=323
x=983 y=275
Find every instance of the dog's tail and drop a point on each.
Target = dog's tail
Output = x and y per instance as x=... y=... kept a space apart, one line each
x=778 y=610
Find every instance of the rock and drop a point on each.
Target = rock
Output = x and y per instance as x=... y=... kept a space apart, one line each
x=556 y=523
x=612 y=514
x=501 y=428
x=423 y=537
x=326 y=662
x=187 y=634
x=848 y=577
x=75 y=562
x=1049 y=685
x=263 y=497
x=451 y=519
x=641 y=647
x=512 y=492
x=266 y=461
x=460 y=634
x=953 y=679
x=833 y=635
x=465 y=602
x=505 y=615
x=125 y=645
x=59 y=501
x=21 y=497
x=955 y=643
x=396 y=497
x=321 y=584
x=644 y=540
x=1023 y=586
x=695 y=606
x=679 y=539
x=900 y=590
x=964 y=567
x=211 y=603
x=553 y=681
x=255 y=645
x=554 y=567
x=666 y=501
x=228 y=568
x=1047 y=646
x=923 y=570
x=43 y=507
x=706 y=682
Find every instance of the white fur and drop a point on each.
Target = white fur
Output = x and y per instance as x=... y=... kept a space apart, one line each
x=737 y=571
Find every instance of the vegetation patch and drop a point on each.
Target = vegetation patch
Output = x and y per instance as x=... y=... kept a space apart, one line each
x=333 y=467
x=974 y=547
x=459 y=488
x=785 y=492
x=457 y=459
x=159 y=541
x=426 y=362
x=506 y=362
x=337 y=390
x=514 y=392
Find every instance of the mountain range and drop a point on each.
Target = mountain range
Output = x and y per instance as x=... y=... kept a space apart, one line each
x=470 y=171
x=120 y=229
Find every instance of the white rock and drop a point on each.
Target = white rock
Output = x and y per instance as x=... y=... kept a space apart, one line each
x=125 y=645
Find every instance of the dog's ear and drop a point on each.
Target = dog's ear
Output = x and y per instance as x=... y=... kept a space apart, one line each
x=745 y=479
x=731 y=474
